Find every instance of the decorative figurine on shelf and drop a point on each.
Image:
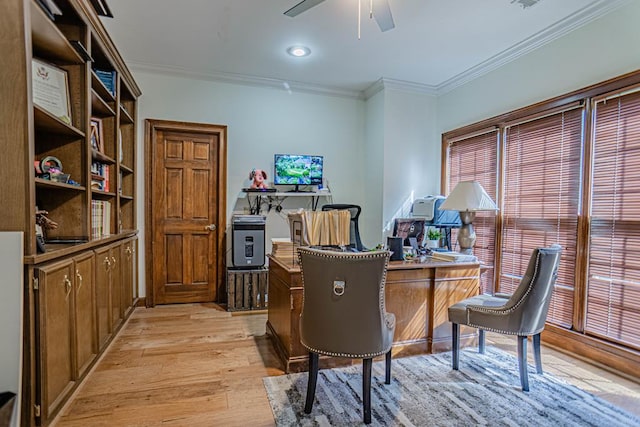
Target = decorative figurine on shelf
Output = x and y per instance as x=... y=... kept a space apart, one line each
x=258 y=176
x=43 y=223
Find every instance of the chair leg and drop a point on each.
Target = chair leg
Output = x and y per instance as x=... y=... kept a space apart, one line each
x=481 y=341
x=522 y=362
x=366 y=389
x=536 y=353
x=387 y=366
x=455 y=348
x=313 y=379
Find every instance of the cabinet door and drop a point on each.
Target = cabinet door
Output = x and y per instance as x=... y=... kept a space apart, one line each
x=116 y=286
x=84 y=313
x=127 y=276
x=103 y=283
x=55 y=301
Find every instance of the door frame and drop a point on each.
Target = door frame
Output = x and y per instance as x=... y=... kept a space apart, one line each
x=152 y=126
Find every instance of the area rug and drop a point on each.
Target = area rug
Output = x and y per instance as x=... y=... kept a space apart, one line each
x=425 y=391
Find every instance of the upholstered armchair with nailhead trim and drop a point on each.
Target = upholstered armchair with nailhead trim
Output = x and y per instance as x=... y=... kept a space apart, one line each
x=522 y=314
x=343 y=313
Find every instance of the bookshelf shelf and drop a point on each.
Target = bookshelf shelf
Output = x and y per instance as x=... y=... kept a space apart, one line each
x=100 y=89
x=45 y=121
x=99 y=108
x=45 y=183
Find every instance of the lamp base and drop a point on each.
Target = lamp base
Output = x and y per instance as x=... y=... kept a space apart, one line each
x=467 y=234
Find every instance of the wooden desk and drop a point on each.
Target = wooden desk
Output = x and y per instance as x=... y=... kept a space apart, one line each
x=418 y=293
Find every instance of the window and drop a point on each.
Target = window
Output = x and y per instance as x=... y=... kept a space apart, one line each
x=567 y=171
x=474 y=158
x=613 y=280
x=541 y=199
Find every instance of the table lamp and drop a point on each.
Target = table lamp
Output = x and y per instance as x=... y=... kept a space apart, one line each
x=468 y=197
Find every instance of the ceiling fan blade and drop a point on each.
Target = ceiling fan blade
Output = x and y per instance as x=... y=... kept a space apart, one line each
x=304 y=5
x=382 y=13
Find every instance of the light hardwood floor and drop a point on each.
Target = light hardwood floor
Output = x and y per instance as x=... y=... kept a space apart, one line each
x=197 y=365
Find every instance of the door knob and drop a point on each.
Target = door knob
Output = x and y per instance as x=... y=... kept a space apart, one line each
x=210 y=227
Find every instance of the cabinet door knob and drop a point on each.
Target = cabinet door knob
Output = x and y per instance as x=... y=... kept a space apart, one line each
x=107 y=263
x=113 y=259
x=67 y=284
x=210 y=227
x=128 y=251
x=79 y=276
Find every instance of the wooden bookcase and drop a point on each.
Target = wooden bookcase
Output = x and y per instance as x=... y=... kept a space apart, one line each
x=88 y=263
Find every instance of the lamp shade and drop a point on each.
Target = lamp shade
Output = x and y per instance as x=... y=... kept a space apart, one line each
x=468 y=196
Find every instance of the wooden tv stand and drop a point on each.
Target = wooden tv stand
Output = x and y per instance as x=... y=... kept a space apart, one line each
x=418 y=293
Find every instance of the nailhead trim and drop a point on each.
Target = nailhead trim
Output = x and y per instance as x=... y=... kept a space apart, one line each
x=349 y=255
x=351 y=355
x=501 y=312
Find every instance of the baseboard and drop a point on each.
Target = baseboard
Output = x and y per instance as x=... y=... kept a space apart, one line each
x=610 y=357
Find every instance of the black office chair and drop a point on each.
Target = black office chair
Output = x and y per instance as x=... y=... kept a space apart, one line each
x=354 y=231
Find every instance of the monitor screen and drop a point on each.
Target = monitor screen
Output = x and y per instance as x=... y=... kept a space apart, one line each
x=297 y=169
x=409 y=228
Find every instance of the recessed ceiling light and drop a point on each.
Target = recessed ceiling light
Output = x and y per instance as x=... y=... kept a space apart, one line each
x=299 y=51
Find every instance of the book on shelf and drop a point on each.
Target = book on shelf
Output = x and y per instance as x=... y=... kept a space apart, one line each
x=100 y=176
x=120 y=152
x=100 y=218
x=102 y=8
x=50 y=8
x=82 y=51
x=453 y=256
x=108 y=79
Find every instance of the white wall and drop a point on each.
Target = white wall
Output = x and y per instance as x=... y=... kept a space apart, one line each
x=371 y=216
x=411 y=158
x=603 y=49
x=261 y=122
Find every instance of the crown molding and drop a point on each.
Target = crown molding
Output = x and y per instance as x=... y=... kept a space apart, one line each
x=246 y=80
x=399 y=85
x=591 y=12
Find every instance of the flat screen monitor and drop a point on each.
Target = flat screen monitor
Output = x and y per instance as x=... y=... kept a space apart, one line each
x=296 y=169
x=408 y=228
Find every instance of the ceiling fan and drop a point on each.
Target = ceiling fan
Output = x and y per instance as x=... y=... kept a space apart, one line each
x=378 y=9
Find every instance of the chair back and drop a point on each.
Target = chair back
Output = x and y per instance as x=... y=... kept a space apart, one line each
x=528 y=306
x=343 y=308
x=354 y=230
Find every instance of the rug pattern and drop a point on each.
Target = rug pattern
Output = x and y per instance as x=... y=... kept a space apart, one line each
x=425 y=391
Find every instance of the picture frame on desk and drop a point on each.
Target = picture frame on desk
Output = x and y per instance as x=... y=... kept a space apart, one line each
x=50 y=87
x=97 y=140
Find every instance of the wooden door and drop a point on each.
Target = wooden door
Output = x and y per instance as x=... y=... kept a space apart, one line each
x=86 y=346
x=186 y=211
x=55 y=334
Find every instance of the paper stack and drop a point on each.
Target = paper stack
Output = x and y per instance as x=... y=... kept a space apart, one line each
x=453 y=256
x=282 y=248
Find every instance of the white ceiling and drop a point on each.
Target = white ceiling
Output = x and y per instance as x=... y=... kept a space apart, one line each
x=435 y=46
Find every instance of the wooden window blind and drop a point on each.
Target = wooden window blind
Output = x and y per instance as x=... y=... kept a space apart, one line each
x=613 y=280
x=541 y=201
x=475 y=158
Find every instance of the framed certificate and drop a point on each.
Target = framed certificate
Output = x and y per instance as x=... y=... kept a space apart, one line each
x=51 y=89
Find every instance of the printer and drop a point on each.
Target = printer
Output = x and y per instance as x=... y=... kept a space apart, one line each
x=429 y=209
